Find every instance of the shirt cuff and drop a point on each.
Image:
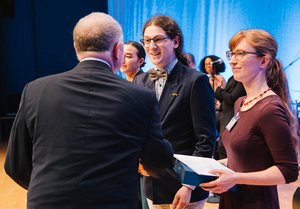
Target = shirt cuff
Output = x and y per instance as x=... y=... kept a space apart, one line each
x=189 y=186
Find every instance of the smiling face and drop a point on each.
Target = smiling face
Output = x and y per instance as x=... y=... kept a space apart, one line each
x=163 y=53
x=131 y=62
x=249 y=67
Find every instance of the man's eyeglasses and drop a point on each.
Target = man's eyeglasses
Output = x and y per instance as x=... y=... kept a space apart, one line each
x=239 y=54
x=158 y=40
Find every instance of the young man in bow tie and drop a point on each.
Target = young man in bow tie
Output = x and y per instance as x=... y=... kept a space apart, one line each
x=186 y=102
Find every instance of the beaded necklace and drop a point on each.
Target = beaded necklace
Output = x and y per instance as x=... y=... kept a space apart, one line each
x=255 y=98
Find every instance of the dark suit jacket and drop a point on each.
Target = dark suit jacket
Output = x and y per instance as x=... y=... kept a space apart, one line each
x=78 y=137
x=227 y=96
x=188 y=121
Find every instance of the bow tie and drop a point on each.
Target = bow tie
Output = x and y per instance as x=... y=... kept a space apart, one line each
x=155 y=74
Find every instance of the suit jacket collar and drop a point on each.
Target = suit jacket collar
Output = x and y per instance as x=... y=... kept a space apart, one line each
x=139 y=72
x=150 y=84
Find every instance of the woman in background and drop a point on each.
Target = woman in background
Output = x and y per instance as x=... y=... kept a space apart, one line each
x=134 y=60
x=215 y=79
x=213 y=70
x=227 y=96
x=260 y=140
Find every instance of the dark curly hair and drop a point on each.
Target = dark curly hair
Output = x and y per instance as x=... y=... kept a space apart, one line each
x=219 y=67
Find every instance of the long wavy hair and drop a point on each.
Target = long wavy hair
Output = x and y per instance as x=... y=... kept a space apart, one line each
x=265 y=44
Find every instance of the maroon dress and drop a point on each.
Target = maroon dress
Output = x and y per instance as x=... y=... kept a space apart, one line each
x=260 y=139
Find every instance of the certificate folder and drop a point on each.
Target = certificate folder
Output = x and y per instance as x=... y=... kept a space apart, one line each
x=194 y=170
x=190 y=177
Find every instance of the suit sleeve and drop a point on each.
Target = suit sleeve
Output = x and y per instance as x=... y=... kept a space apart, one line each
x=18 y=162
x=203 y=116
x=230 y=97
x=157 y=153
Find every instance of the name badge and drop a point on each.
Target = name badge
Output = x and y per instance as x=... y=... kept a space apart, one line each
x=232 y=122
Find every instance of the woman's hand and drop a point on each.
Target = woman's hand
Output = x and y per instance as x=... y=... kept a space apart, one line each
x=225 y=181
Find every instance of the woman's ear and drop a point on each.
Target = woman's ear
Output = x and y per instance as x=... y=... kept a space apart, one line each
x=140 y=62
x=265 y=62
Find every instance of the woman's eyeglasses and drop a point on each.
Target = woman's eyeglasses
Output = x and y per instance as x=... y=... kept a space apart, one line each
x=239 y=54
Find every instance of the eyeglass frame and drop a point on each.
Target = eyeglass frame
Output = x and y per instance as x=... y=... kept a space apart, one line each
x=242 y=55
x=163 y=38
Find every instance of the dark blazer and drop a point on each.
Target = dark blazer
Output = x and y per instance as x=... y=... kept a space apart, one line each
x=188 y=121
x=78 y=137
x=227 y=96
x=139 y=72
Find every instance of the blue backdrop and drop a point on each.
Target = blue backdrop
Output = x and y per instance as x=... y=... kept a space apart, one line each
x=207 y=26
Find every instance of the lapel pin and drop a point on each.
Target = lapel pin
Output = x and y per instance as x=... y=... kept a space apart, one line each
x=174 y=94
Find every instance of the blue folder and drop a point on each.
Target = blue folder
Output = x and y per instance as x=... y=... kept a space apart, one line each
x=190 y=177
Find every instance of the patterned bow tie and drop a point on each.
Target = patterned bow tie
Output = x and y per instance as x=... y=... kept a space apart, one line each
x=155 y=74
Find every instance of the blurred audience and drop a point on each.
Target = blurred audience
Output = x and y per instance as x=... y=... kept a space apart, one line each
x=191 y=60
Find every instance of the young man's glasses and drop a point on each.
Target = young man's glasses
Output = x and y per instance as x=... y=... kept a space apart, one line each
x=158 y=40
x=239 y=54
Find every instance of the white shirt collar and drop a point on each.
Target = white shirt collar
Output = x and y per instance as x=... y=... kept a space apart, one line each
x=96 y=59
x=169 y=67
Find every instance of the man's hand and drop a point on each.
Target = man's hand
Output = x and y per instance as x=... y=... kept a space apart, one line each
x=142 y=171
x=182 y=198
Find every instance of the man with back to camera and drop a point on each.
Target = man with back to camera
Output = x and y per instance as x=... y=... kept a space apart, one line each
x=78 y=136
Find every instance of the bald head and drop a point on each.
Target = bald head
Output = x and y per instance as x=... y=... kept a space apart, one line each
x=98 y=35
x=96 y=32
